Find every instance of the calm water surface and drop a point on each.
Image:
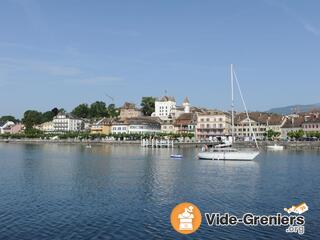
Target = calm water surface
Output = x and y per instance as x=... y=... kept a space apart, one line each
x=125 y=192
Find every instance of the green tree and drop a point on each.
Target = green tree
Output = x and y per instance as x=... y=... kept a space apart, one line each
x=31 y=118
x=55 y=111
x=81 y=111
x=147 y=104
x=112 y=111
x=61 y=110
x=270 y=134
x=8 y=118
x=47 y=116
x=296 y=134
x=98 y=109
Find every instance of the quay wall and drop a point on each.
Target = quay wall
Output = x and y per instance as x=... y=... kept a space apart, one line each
x=262 y=144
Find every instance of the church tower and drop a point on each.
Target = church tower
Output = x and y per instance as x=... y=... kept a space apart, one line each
x=186 y=105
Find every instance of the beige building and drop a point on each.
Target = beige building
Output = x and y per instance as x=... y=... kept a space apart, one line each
x=102 y=127
x=186 y=123
x=291 y=124
x=212 y=123
x=129 y=110
x=311 y=122
x=46 y=127
x=260 y=123
x=167 y=126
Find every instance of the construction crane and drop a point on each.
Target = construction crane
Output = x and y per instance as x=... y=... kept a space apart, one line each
x=112 y=99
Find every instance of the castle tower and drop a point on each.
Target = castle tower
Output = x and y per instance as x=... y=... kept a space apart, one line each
x=186 y=105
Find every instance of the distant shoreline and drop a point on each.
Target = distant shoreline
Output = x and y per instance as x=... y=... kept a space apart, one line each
x=299 y=145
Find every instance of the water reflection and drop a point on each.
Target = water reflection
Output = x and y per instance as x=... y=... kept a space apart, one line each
x=70 y=191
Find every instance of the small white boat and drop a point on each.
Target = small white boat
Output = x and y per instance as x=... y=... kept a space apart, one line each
x=176 y=156
x=275 y=147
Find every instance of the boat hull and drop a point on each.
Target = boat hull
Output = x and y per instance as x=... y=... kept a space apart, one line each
x=235 y=156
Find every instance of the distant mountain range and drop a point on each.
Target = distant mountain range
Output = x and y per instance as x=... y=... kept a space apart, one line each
x=294 y=108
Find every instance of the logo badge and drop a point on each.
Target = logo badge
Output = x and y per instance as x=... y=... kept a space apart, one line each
x=298 y=209
x=186 y=218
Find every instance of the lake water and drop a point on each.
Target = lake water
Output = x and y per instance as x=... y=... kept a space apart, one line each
x=125 y=192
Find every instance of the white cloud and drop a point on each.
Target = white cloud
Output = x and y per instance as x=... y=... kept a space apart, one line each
x=100 y=80
x=41 y=67
x=53 y=73
x=312 y=29
x=295 y=15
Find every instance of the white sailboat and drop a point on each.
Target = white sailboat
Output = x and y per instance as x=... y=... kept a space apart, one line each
x=229 y=153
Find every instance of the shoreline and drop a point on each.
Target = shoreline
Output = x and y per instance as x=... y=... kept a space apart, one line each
x=299 y=145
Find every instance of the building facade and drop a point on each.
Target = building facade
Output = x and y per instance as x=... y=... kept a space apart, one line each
x=119 y=127
x=164 y=107
x=311 y=122
x=103 y=126
x=167 y=126
x=260 y=123
x=66 y=123
x=6 y=126
x=129 y=110
x=46 y=127
x=137 y=125
x=291 y=124
x=186 y=123
x=212 y=124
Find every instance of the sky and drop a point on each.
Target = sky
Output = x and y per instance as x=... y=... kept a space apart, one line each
x=65 y=52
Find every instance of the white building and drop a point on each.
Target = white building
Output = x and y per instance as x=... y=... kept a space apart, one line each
x=164 y=107
x=143 y=125
x=119 y=127
x=4 y=127
x=66 y=123
x=138 y=125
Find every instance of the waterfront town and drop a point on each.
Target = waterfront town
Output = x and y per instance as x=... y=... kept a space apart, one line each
x=163 y=117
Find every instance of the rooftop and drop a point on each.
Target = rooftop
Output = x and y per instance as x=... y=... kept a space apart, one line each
x=186 y=100
x=293 y=122
x=261 y=117
x=166 y=99
x=128 y=105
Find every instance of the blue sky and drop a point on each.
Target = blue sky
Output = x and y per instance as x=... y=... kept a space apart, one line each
x=65 y=52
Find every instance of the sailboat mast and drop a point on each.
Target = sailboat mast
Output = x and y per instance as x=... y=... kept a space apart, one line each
x=245 y=107
x=232 y=104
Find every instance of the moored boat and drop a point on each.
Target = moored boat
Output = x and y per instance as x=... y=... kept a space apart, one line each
x=275 y=147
